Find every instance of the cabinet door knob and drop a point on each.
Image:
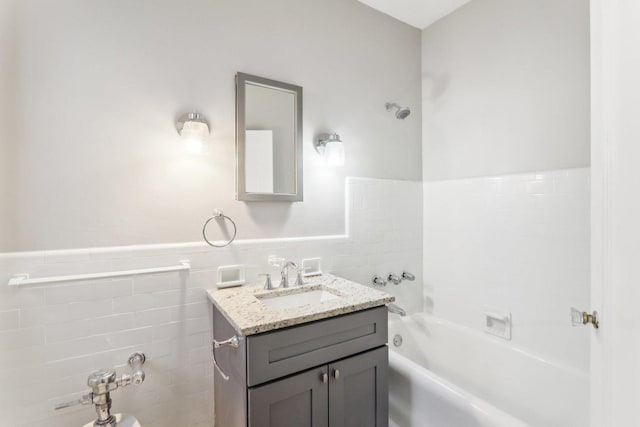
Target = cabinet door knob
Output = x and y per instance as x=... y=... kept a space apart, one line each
x=336 y=374
x=325 y=378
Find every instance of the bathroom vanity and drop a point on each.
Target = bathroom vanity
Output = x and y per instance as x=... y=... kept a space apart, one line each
x=281 y=364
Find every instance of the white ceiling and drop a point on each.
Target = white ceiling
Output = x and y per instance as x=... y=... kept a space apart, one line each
x=418 y=13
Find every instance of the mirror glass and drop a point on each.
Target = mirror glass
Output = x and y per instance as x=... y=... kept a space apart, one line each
x=268 y=139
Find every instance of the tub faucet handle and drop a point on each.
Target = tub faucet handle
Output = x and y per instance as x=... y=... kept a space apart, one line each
x=394 y=278
x=408 y=276
x=378 y=281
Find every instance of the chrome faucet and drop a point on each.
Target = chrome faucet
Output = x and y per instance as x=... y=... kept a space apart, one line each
x=284 y=281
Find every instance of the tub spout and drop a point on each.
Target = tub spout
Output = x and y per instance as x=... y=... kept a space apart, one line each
x=393 y=308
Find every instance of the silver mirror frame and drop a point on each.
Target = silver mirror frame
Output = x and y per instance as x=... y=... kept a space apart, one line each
x=241 y=194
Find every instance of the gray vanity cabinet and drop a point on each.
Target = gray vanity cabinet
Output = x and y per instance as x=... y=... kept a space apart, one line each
x=347 y=393
x=297 y=401
x=358 y=397
x=327 y=373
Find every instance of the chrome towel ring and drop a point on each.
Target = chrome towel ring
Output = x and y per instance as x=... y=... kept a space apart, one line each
x=218 y=214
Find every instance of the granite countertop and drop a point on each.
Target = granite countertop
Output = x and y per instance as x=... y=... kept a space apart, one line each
x=248 y=315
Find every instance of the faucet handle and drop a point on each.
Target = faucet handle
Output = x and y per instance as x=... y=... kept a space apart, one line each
x=408 y=276
x=299 y=280
x=267 y=282
x=378 y=281
x=284 y=280
x=394 y=279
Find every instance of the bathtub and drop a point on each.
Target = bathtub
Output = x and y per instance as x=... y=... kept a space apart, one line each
x=447 y=375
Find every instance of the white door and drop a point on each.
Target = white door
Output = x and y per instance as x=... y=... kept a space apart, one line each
x=615 y=348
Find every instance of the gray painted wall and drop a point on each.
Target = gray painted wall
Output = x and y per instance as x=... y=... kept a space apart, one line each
x=506 y=88
x=98 y=161
x=8 y=124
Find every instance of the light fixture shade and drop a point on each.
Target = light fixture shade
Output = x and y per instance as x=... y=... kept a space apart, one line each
x=331 y=148
x=194 y=131
x=334 y=154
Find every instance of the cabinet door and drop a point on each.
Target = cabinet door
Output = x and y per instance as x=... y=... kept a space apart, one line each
x=297 y=401
x=358 y=390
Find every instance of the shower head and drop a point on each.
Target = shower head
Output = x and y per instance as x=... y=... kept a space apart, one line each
x=402 y=113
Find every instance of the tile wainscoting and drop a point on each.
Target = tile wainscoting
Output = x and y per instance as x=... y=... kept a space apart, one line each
x=53 y=336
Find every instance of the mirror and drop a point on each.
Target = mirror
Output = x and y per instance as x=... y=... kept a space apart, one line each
x=268 y=140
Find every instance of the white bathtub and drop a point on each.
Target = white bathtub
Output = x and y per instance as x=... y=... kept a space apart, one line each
x=446 y=375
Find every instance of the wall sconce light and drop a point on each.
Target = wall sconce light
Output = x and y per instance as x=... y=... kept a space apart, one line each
x=329 y=146
x=194 y=130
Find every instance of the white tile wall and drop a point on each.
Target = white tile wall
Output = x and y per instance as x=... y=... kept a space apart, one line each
x=519 y=243
x=53 y=336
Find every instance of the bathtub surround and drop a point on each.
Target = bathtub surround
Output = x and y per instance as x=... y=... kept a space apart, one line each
x=519 y=243
x=422 y=367
x=506 y=89
x=105 y=82
x=485 y=380
x=506 y=100
x=506 y=193
x=52 y=337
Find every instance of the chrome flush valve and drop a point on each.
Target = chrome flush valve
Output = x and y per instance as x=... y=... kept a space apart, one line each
x=102 y=383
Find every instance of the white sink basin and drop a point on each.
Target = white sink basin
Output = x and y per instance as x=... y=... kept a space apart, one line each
x=312 y=296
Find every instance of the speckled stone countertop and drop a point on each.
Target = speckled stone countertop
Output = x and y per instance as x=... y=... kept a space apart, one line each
x=245 y=311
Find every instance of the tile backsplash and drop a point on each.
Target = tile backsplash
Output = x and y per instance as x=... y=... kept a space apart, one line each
x=53 y=336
